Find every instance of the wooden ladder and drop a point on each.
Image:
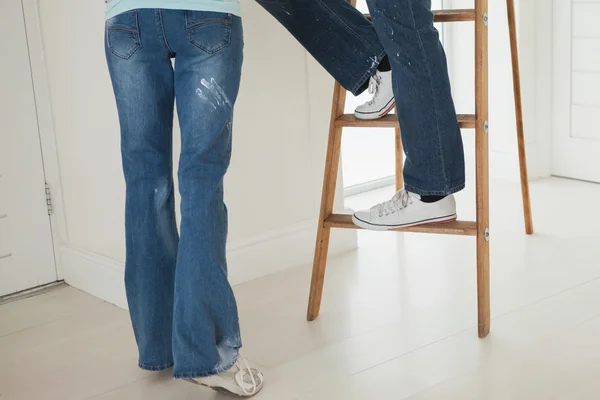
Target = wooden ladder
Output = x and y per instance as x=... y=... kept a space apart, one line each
x=478 y=121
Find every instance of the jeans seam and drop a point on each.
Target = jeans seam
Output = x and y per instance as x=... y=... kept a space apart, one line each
x=155 y=367
x=163 y=34
x=216 y=371
x=346 y=26
x=423 y=192
x=435 y=104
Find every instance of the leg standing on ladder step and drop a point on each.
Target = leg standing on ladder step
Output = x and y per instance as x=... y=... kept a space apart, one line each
x=514 y=50
x=332 y=162
x=430 y=133
x=434 y=167
x=482 y=166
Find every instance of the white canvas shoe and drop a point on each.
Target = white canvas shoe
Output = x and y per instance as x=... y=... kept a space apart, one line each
x=383 y=100
x=239 y=380
x=405 y=209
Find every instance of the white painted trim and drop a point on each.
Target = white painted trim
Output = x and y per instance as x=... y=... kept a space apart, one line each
x=561 y=73
x=35 y=291
x=541 y=152
x=43 y=103
x=248 y=259
x=562 y=77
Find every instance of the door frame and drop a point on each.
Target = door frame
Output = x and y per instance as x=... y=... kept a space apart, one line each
x=562 y=74
x=562 y=99
x=47 y=134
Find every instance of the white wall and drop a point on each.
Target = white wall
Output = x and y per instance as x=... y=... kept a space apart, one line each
x=534 y=26
x=280 y=134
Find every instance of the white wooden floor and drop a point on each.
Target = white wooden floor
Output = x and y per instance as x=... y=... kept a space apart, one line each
x=398 y=320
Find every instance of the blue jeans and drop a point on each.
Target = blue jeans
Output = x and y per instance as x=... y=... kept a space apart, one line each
x=350 y=48
x=182 y=307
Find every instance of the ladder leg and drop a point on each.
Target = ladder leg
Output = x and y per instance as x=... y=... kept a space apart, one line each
x=327 y=199
x=482 y=166
x=512 y=28
x=483 y=279
x=399 y=161
x=323 y=233
x=318 y=274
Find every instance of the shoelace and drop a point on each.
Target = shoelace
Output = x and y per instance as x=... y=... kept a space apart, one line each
x=246 y=370
x=374 y=83
x=397 y=203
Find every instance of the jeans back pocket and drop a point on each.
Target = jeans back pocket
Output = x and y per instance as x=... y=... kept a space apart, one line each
x=123 y=34
x=208 y=31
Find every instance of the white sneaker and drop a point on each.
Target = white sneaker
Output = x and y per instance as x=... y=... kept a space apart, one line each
x=382 y=102
x=405 y=209
x=241 y=381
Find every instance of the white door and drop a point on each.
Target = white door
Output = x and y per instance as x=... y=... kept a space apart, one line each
x=576 y=134
x=26 y=252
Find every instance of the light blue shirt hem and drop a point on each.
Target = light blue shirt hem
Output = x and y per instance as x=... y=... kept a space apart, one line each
x=116 y=7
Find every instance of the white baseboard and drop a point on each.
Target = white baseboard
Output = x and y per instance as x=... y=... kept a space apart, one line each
x=97 y=275
x=271 y=252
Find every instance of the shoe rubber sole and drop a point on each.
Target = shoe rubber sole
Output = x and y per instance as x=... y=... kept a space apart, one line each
x=220 y=389
x=379 y=227
x=372 y=116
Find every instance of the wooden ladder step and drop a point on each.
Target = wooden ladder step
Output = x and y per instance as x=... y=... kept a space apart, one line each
x=457 y=15
x=463 y=228
x=465 y=121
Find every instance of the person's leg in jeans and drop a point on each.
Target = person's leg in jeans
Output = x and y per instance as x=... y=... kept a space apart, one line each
x=143 y=84
x=430 y=132
x=341 y=39
x=345 y=43
x=208 y=62
x=434 y=166
x=182 y=307
x=336 y=34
